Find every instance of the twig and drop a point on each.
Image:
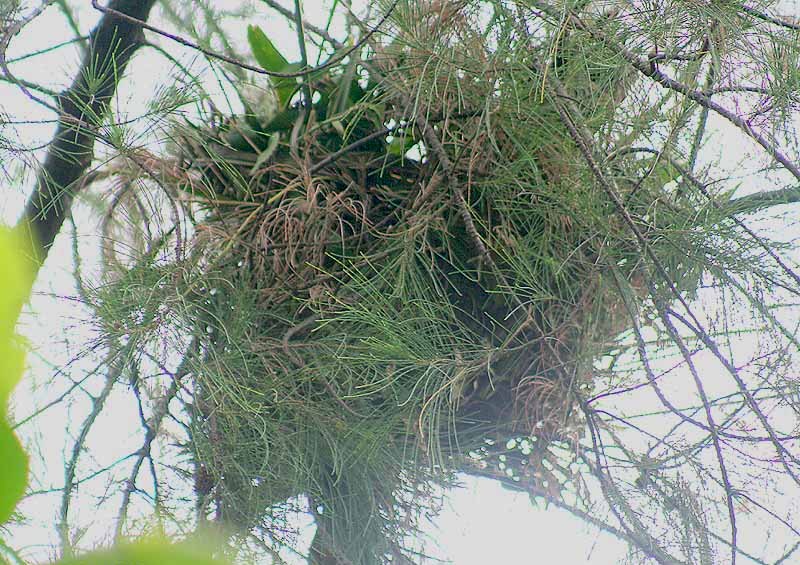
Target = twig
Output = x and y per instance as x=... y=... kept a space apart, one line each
x=302 y=326
x=214 y=55
x=5 y=41
x=788 y=554
x=76 y=482
x=770 y=19
x=583 y=141
x=151 y=432
x=81 y=38
x=781 y=450
x=83 y=44
x=347 y=148
x=22 y=83
x=650 y=70
x=642 y=539
x=301 y=41
x=288 y=14
x=727 y=486
x=432 y=141
x=78 y=446
x=697 y=141
x=743 y=205
x=82 y=107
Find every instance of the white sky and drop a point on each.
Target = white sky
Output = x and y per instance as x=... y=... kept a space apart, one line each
x=481 y=523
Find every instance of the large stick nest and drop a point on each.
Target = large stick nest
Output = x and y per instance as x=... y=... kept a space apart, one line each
x=413 y=276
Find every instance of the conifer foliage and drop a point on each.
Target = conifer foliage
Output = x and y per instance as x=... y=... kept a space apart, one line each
x=473 y=237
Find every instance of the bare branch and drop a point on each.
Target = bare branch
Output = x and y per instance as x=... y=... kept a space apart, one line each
x=770 y=19
x=82 y=107
x=214 y=55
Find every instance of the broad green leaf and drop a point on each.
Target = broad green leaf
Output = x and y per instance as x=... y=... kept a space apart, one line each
x=13 y=471
x=12 y=362
x=14 y=289
x=264 y=51
x=149 y=552
x=286 y=87
x=271 y=60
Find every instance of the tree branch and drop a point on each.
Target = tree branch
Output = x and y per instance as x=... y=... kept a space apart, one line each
x=335 y=60
x=650 y=69
x=82 y=108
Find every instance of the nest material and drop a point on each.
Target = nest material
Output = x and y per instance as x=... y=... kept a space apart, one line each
x=361 y=335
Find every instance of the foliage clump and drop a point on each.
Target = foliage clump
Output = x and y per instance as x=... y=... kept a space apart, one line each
x=378 y=311
x=407 y=264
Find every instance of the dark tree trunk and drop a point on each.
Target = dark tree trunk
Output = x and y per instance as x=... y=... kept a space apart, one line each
x=320 y=552
x=83 y=106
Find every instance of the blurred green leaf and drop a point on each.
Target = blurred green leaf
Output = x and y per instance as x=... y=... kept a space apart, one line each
x=400 y=144
x=149 y=552
x=283 y=121
x=14 y=291
x=265 y=155
x=13 y=472
x=665 y=173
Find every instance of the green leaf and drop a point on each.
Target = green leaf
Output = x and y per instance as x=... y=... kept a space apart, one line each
x=265 y=155
x=14 y=290
x=283 y=121
x=665 y=173
x=150 y=552
x=271 y=60
x=286 y=87
x=264 y=51
x=400 y=144
x=13 y=473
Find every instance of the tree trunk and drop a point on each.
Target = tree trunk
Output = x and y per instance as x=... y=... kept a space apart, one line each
x=82 y=106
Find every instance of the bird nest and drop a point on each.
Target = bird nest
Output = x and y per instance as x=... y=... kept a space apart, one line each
x=411 y=276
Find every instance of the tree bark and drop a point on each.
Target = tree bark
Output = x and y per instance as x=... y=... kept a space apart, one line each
x=83 y=106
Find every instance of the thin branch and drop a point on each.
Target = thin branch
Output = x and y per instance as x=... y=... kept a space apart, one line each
x=98 y=403
x=47 y=49
x=780 y=448
x=82 y=108
x=152 y=427
x=650 y=69
x=788 y=554
x=702 y=122
x=301 y=41
x=81 y=480
x=529 y=486
x=643 y=540
x=765 y=199
x=744 y=205
x=288 y=14
x=28 y=85
x=5 y=41
x=348 y=148
x=60 y=398
x=583 y=141
x=739 y=88
x=214 y=55
x=770 y=19
x=83 y=44
x=713 y=428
